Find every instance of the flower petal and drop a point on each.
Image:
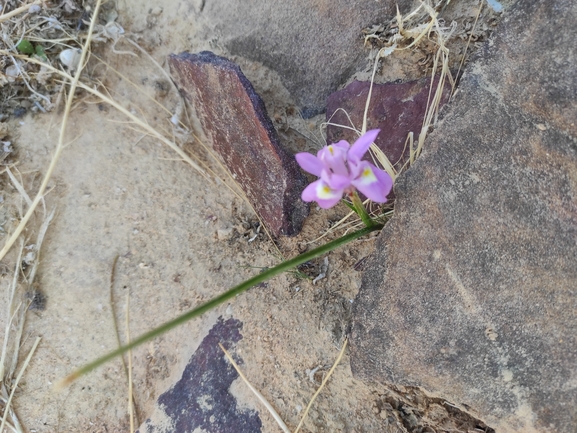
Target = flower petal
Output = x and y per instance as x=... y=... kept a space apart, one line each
x=358 y=150
x=310 y=163
x=310 y=192
x=373 y=182
x=334 y=156
x=322 y=193
x=343 y=144
x=335 y=181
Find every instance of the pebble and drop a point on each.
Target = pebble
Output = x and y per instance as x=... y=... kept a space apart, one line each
x=224 y=234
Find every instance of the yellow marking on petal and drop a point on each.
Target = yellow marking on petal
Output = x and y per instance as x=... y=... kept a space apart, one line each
x=367 y=176
x=331 y=150
x=325 y=192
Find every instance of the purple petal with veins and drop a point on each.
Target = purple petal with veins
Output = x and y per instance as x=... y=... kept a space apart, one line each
x=358 y=150
x=336 y=181
x=373 y=182
x=334 y=157
x=310 y=163
x=322 y=193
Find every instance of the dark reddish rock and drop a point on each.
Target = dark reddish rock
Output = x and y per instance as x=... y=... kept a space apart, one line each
x=234 y=118
x=396 y=109
x=200 y=400
x=472 y=291
x=314 y=46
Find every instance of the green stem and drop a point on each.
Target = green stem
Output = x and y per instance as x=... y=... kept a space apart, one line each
x=361 y=210
x=285 y=266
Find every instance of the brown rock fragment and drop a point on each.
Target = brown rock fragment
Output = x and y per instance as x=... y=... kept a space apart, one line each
x=395 y=108
x=234 y=118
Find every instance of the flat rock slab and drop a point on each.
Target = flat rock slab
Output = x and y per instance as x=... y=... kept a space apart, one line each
x=200 y=400
x=234 y=118
x=472 y=291
x=314 y=46
x=395 y=108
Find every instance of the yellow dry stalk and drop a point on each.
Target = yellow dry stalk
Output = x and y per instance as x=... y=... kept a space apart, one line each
x=325 y=380
x=258 y=395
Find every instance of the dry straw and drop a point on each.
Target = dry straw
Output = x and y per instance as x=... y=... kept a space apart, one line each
x=60 y=145
x=325 y=380
x=268 y=406
x=258 y=395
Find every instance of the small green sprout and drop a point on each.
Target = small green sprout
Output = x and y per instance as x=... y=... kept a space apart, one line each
x=25 y=47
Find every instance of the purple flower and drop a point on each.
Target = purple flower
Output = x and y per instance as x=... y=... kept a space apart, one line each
x=341 y=171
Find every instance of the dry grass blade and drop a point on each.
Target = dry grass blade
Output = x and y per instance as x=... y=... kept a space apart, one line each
x=127 y=368
x=143 y=51
x=139 y=122
x=18 y=318
x=325 y=380
x=379 y=154
x=12 y=422
x=129 y=354
x=19 y=187
x=273 y=412
x=469 y=40
x=15 y=385
x=17 y=11
x=60 y=145
x=9 y=312
x=39 y=240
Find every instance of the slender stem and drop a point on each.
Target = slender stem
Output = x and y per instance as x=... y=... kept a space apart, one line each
x=361 y=210
x=242 y=287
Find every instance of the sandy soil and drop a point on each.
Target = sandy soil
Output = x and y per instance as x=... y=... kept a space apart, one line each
x=121 y=197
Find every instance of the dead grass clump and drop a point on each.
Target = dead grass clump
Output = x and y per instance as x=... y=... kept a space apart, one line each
x=462 y=26
x=41 y=32
x=22 y=294
x=52 y=33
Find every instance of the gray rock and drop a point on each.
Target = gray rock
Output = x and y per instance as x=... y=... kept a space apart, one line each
x=313 y=45
x=472 y=291
x=234 y=118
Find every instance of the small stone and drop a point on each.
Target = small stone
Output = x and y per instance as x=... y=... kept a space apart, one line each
x=156 y=11
x=224 y=234
x=234 y=119
x=70 y=57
